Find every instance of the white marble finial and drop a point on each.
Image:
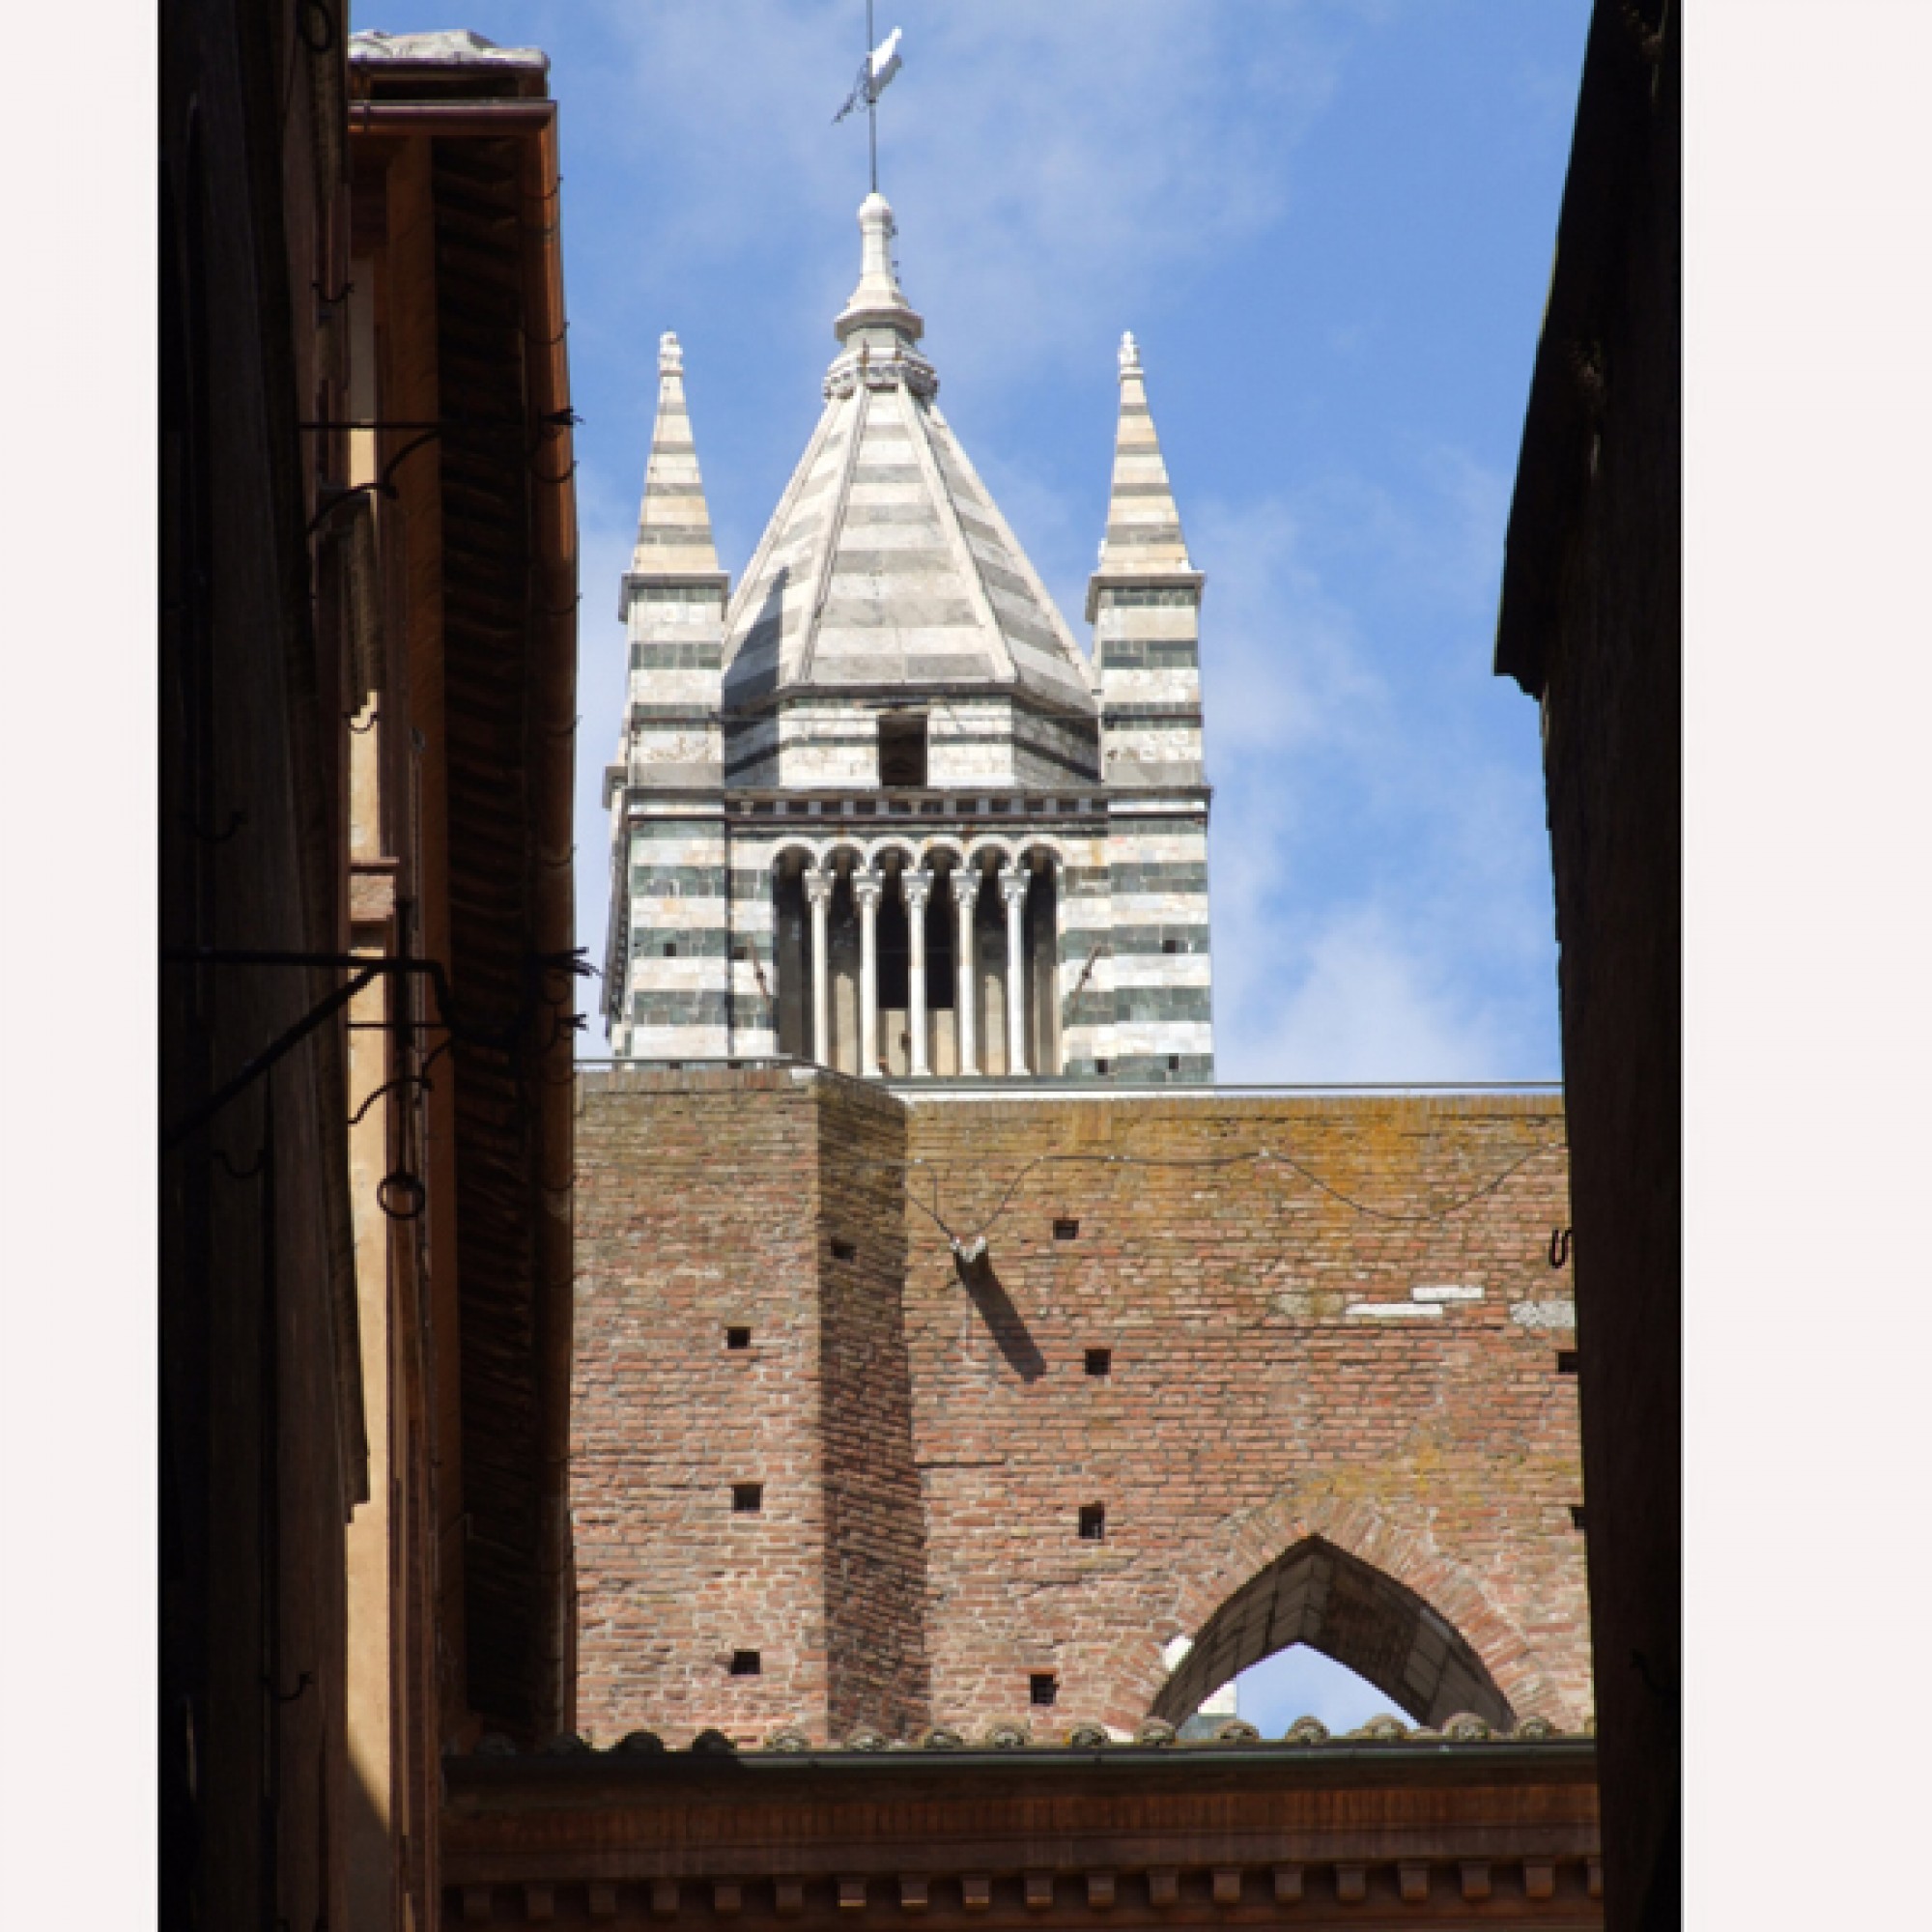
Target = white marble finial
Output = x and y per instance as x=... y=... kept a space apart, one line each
x=879 y=287
x=878 y=301
x=670 y=357
x=1130 y=355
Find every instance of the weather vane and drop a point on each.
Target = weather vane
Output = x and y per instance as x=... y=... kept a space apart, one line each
x=875 y=70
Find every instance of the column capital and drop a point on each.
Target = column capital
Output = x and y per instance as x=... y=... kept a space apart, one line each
x=917 y=887
x=817 y=888
x=966 y=881
x=867 y=889
x=1013 y=883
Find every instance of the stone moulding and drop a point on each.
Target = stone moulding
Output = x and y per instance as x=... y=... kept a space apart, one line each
x=1304 y=1737
x=881 y=372
x=1341 y=1833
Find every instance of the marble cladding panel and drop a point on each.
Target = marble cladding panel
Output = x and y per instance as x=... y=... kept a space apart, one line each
x=970 y=742
x=1151 y=684
x=680 y=1007
x=1153 y=1037
x=650 y=620
x=827 y=743
x=1150 y=658
x=676 y=640
x=1162 y=969
x=752 y=852
x=694 y=754
x=810 y=765
x=698 y=943
x=652 y=913
x=1051 y=750
x=688 y=687
x=654 y=608
x=1162 y=623
x=688 y=973
x=1137 y=851
x=1161 y=1002
x=677 y=1042
x=754 y=921
x=662 y=844
x=952 y=718
x=673 y=890
x=1162 y=754
x=1084 y=879
x=1130 y=776
x=752 y=753
x=660 y=827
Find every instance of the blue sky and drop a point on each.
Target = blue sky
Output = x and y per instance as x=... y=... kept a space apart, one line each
x=1331 y=224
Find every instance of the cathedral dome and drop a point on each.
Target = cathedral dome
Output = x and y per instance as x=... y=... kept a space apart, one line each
x=887 y=567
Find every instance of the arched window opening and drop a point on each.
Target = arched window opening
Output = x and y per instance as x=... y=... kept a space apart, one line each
x=1298 y=1682
x=791 y=918
x=940 y=971
x=842 y=976
x=1319 y=1595
x=1043 y=968
x=989 y=945
x=894 y=943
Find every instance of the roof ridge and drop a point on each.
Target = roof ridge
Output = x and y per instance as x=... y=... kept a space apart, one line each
x=1062 y=629
x=935 y=480
x=835 y=530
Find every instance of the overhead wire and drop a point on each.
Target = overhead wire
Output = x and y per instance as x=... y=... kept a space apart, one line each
x=1248 y=1156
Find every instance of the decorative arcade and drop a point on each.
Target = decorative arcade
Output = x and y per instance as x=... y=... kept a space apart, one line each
x=914 y=961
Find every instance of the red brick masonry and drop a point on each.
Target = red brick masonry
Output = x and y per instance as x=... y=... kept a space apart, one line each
x=1287 y=1443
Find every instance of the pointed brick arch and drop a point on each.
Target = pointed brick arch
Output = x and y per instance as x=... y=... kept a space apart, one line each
x=1318 y=1594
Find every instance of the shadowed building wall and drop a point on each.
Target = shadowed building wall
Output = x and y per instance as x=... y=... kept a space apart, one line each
x=1591 y=627
x=366 y=676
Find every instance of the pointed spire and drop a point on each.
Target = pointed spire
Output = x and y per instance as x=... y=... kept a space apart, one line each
x=674 y=523
x=878 y=302
x=1143 y=526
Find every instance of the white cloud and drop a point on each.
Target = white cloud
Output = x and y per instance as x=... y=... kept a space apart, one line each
x=1282 y=661
x=1368 y=866
x=1355 y=999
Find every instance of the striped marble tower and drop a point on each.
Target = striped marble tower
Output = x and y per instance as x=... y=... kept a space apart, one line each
x=881 y=811
x=1144 y=602
x=669 y=967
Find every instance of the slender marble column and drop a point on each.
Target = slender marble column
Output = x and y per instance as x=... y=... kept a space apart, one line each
x=866 y=889
x=1013 y=887
x=818 y=896
x=916 y=887
x=965 y=897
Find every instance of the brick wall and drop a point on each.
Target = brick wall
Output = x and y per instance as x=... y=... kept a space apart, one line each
x=700 y=1217
x=1261 y=1399
x=875 y=1567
